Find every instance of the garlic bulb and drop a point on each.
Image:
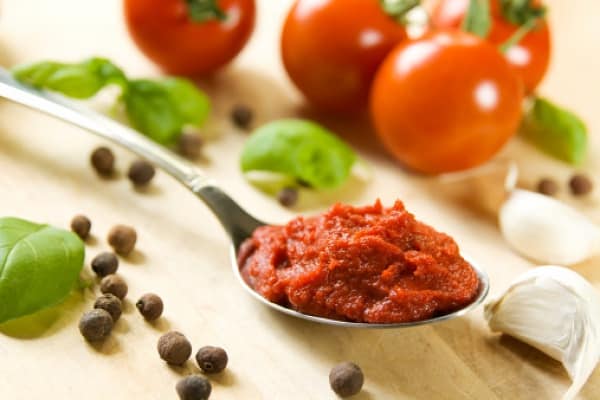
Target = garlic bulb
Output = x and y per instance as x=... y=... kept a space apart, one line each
x=547 y=230
x=557 y=311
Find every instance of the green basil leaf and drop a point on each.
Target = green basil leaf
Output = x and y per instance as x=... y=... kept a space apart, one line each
x=193 y=105
x=151 y=111
x=160 y=109
x=36 y=74
x=80 y=81
x=556 y=131
x=301 y=149
x=478 y=20
x=39 y=265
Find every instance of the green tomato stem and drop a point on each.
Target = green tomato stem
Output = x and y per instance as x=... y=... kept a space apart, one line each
x=520 y=12
x=518 y=35
x=478 y=20
x=205 y=10
x=398 y=9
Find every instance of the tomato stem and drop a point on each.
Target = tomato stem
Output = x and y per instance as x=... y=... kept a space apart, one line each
x=524 y=14
x=398 y=9
x=205 y=10
x=518 y=35
x=520 y=12
x=478 y=20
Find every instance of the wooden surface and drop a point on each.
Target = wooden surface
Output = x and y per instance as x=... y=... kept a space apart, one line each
x=183 y=254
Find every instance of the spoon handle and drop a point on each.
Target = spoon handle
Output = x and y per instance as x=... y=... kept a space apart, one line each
x=230 y=214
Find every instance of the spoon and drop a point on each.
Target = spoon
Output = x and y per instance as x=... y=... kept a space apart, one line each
x=238 y=223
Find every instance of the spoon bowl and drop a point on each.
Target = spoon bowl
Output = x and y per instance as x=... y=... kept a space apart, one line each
x=236 y=221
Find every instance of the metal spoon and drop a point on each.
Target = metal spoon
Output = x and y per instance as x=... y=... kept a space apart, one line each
x=237 y=222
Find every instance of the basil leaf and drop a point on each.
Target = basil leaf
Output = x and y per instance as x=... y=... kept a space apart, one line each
x=555 y=130
x=150 y=111
x=39 y=265
x=160 y=109
x=80 y=81
x=478 y=20
x=191 y=103
x=301 y=149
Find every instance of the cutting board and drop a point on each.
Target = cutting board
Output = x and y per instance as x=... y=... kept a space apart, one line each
x=182 y=253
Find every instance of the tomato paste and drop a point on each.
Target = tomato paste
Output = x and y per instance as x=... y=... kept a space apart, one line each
x=362 y=264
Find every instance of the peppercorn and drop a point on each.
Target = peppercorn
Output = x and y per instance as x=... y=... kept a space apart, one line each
x=547 y=186
x=211 y=360
x=346 y=379
x=95 y=325
x=105 y=264
x=190 y=145
x=141 y=172
x=110 y=303
x=103 y=161
x=174 y=348
x=81 y=225
x=287 y=196
x=150 y=306
x=122 y=239
x=114 y=284
x=193 y=387
x=242 y=116
x=580 y=185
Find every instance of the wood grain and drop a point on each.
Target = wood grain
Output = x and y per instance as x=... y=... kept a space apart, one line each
x=182 y=252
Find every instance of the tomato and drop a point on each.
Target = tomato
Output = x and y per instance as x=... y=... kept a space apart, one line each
x=530 y=56
x=167 y=34
x=331 y=49
x=445 y=102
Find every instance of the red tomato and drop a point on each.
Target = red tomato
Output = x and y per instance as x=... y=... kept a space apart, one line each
x=166 y=34
x=446 y=102
x=530 y=56
x=332 y=48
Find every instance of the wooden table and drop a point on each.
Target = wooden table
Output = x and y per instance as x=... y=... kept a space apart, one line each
x=183 y=253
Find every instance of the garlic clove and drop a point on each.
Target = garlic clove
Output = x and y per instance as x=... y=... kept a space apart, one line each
x=546 y=230
x=483 y=189
x=557 y=311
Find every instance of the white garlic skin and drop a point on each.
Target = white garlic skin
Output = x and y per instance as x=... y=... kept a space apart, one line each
x=546 y=230
x=556 y=311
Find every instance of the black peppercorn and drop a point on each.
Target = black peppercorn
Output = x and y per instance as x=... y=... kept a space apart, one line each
x=580 y=185
x=346 y=379
x=193 y=387
x=211 y=360
x=174 y=348
x=190 y=145
x=122 y=239
x=105 y=264
x=547 y=186
x=150 y=306
x=95 y=325
x=110 y=303
x=103 y=161
x=141 y=172
x=241 y=116
x=81 y=225
x=287 y=197
x=114 y=284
